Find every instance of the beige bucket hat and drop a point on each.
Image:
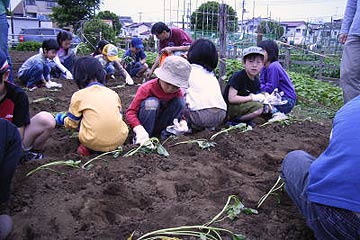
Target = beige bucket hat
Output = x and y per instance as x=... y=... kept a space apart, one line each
x=175 y=70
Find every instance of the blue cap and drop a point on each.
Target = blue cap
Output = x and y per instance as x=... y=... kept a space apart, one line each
x=137 y=43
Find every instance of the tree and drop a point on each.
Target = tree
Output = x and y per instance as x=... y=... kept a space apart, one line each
x=270 y=27
x=93 y=28
x=71 y=12
x=107 y=15
x=206 y=17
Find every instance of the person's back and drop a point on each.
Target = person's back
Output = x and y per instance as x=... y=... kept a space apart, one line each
x=95 y=112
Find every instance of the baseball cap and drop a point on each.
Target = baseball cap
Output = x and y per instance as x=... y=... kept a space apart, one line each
x=137 y=43
x=253 y=50
x=111 y=52
x=175 y=70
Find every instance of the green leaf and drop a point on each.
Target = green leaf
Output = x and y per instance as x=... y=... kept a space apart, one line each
x=162 y=151
x=238 y=237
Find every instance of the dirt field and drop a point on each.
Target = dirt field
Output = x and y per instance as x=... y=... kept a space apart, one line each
x=147 y=192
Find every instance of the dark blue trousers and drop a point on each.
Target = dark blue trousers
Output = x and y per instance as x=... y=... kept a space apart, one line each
x=10 y=153
x=156 y=115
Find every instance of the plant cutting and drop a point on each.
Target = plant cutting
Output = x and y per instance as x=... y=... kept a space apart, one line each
x=69 y=163
x=231 y=210
x=201 y=142
x=152 y=145
x=115 y=153
x=278 y=185
x=243 y=127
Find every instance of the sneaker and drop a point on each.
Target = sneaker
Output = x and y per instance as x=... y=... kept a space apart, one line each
x=30 y=156
x=6 y=226
x=278 y=116
x=83 y=151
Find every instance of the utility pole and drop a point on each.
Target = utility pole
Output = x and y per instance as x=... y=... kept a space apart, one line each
x=222 y=30
x=140 y=13
x=242 y=16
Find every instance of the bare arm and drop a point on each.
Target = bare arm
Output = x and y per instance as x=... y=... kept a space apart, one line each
x=236 y=99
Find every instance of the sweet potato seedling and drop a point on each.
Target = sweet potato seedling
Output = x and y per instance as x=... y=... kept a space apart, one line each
x=69 y=163
x=241 y=126
x=205 y=231
x=152 y=145
x=278 y=185
x=116 y=153
x=202 y=143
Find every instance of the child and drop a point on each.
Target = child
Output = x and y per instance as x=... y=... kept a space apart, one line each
x=274 y=76
x=14 y=107
x=171 y=41
x=99 y=47
x=109 y=60
x=137 y=66
x=206 y=107
x=64 y=59
x=35 y=71
x=10 y=152
x=242 y=92
x=95 y=109
x=159 y=101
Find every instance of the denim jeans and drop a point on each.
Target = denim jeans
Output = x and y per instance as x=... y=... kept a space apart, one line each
x=286 y=108
x=34 y=75
x=10 y=153
x=155 y=116
x=327 y=223
x=133 y=69
x=110 y=69
x=4 y=28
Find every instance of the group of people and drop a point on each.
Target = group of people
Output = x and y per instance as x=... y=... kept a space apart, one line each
x=184 y=96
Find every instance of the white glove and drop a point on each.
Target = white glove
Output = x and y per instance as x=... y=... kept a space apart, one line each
x=51 y=84
x=129 y=80
x=141 y=135
x=68 y=75
x=178 y=128
x=260 y=97
x=275 y=98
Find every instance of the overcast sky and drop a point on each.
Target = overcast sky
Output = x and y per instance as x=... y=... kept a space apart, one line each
x=154 y=10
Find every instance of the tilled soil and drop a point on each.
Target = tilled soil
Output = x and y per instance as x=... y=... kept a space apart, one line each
x=146 y=192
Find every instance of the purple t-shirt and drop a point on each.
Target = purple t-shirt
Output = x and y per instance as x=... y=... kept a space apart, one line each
x=275 y=76
x=177 y=38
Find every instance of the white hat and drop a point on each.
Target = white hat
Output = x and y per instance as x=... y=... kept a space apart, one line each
x=253 y=50
x=175 y=70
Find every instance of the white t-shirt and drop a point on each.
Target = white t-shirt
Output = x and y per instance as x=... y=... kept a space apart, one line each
x=204 y=90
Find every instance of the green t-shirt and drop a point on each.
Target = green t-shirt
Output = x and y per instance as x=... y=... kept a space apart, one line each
x=4 y=4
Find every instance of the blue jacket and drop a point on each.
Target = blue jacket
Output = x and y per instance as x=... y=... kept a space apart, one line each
x=334 y=177
x=351 y=21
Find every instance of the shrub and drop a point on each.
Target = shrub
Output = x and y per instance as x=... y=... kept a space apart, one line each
x=28 y=46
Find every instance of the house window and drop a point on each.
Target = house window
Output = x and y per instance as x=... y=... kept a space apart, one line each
x=50 y=4
x=30 y=2
x=298 y=30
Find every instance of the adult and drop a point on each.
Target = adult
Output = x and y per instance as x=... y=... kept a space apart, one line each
x=4 y=34
x=171 y=41
x=350 y=36
x=326 y=189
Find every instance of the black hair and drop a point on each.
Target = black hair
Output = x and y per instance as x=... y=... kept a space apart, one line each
x=101 y=44
x=271 y=48
x=203 y=52
x=87 y=69
x=253 y=56
x=63 y=36
x=50 y=44
x=159 y=27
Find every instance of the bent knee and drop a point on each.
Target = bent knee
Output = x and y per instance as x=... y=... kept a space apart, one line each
x=45 y=119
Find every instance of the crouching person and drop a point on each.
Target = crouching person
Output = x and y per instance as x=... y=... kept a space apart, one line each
x=326 y=189
x=242 y=93
x=159 y=101
x=95 y=110
x=14 y=107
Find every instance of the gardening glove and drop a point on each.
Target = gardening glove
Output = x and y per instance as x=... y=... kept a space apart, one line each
x=68 y=75
x=178 y=128
x=51 y=84
x=59 y=118
x=141 y=135
x=275 y=98
x=129 y=80
x=260 y=97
